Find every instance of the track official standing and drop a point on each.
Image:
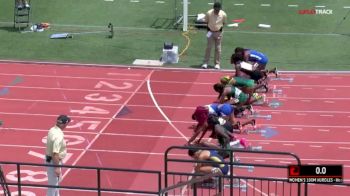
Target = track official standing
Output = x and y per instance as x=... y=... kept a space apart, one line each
x=55 y=151
x=215 y=19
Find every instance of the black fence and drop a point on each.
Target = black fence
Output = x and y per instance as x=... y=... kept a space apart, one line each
x=96 y=177
x=267 y=179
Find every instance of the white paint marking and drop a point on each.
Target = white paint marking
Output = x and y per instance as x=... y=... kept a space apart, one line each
x=315 y=146
x=331 y=89
x=238 y=4
x=285 y=162
x=297 y=128
x=285 y=87
x=344 y=148
x=288 y=144
x=312 y=163
x=293 y=5
x=300 y=114
x=123 y=74
x=109 y=0
x=259 y=160
x=107 y=124
x=337 y=77
x=329 y=101
x=210 y=3
x=307 y=88
x=275 y=112
x=320 y=6
x=347 y=7
x=161 y=111
x=264 y=143
x=342 y=186
x=327 y=115
x=323 y=130
x=305 y=100
x=160 y=2
x=134 y=1
x=265 y=5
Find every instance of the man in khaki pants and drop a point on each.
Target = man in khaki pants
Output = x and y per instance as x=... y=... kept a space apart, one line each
x=215 y=19
x=55 y=151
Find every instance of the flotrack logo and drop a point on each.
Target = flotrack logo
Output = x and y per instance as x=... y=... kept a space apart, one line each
x=316 y=11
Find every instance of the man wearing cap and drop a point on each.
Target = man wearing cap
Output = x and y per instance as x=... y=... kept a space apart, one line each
x=55 y=152
x=215 y=19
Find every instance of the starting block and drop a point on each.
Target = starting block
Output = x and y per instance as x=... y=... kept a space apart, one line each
x=282 y=79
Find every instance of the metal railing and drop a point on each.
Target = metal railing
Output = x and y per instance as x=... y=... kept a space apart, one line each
x=244 y=183
x=98 y=188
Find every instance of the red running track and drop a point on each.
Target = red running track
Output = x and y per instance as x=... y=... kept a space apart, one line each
x=117 y=124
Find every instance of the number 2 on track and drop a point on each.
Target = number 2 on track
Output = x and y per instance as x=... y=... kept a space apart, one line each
x=126 y=85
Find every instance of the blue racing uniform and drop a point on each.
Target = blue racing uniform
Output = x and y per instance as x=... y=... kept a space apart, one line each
x=215 y=157
x=258 y=57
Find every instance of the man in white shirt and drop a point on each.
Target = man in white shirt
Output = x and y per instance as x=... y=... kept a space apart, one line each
x=215 y=19
x=55 y=152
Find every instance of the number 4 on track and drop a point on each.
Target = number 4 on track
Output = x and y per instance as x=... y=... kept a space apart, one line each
x=90 y=110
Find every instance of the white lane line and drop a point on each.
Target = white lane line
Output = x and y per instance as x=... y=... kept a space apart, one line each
x=297 y=128
x=344 y=148
x=327 y=115
x=302 y=142
x=275 y=112
x=348 y=131
x=288 y=144
x=160 y=110
x=337 y=77
x=300 y=114
x=123 y=74
x=329 y=101
x=285 y=162
x=347 y=7
x=315 y=146
x=210 y=3
x=265 y=5
x=312 y=163
x=305 y=100
x=320 y=6
x=307 y=88
x=160 y=2
x=259 y=160
x=293 y=5
x=264 y=143
x=342 y=186
x=323 y=130
x=331 y=89
x=134 y=1
x=238 y=4
x=109 y=0
x=285 y=87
